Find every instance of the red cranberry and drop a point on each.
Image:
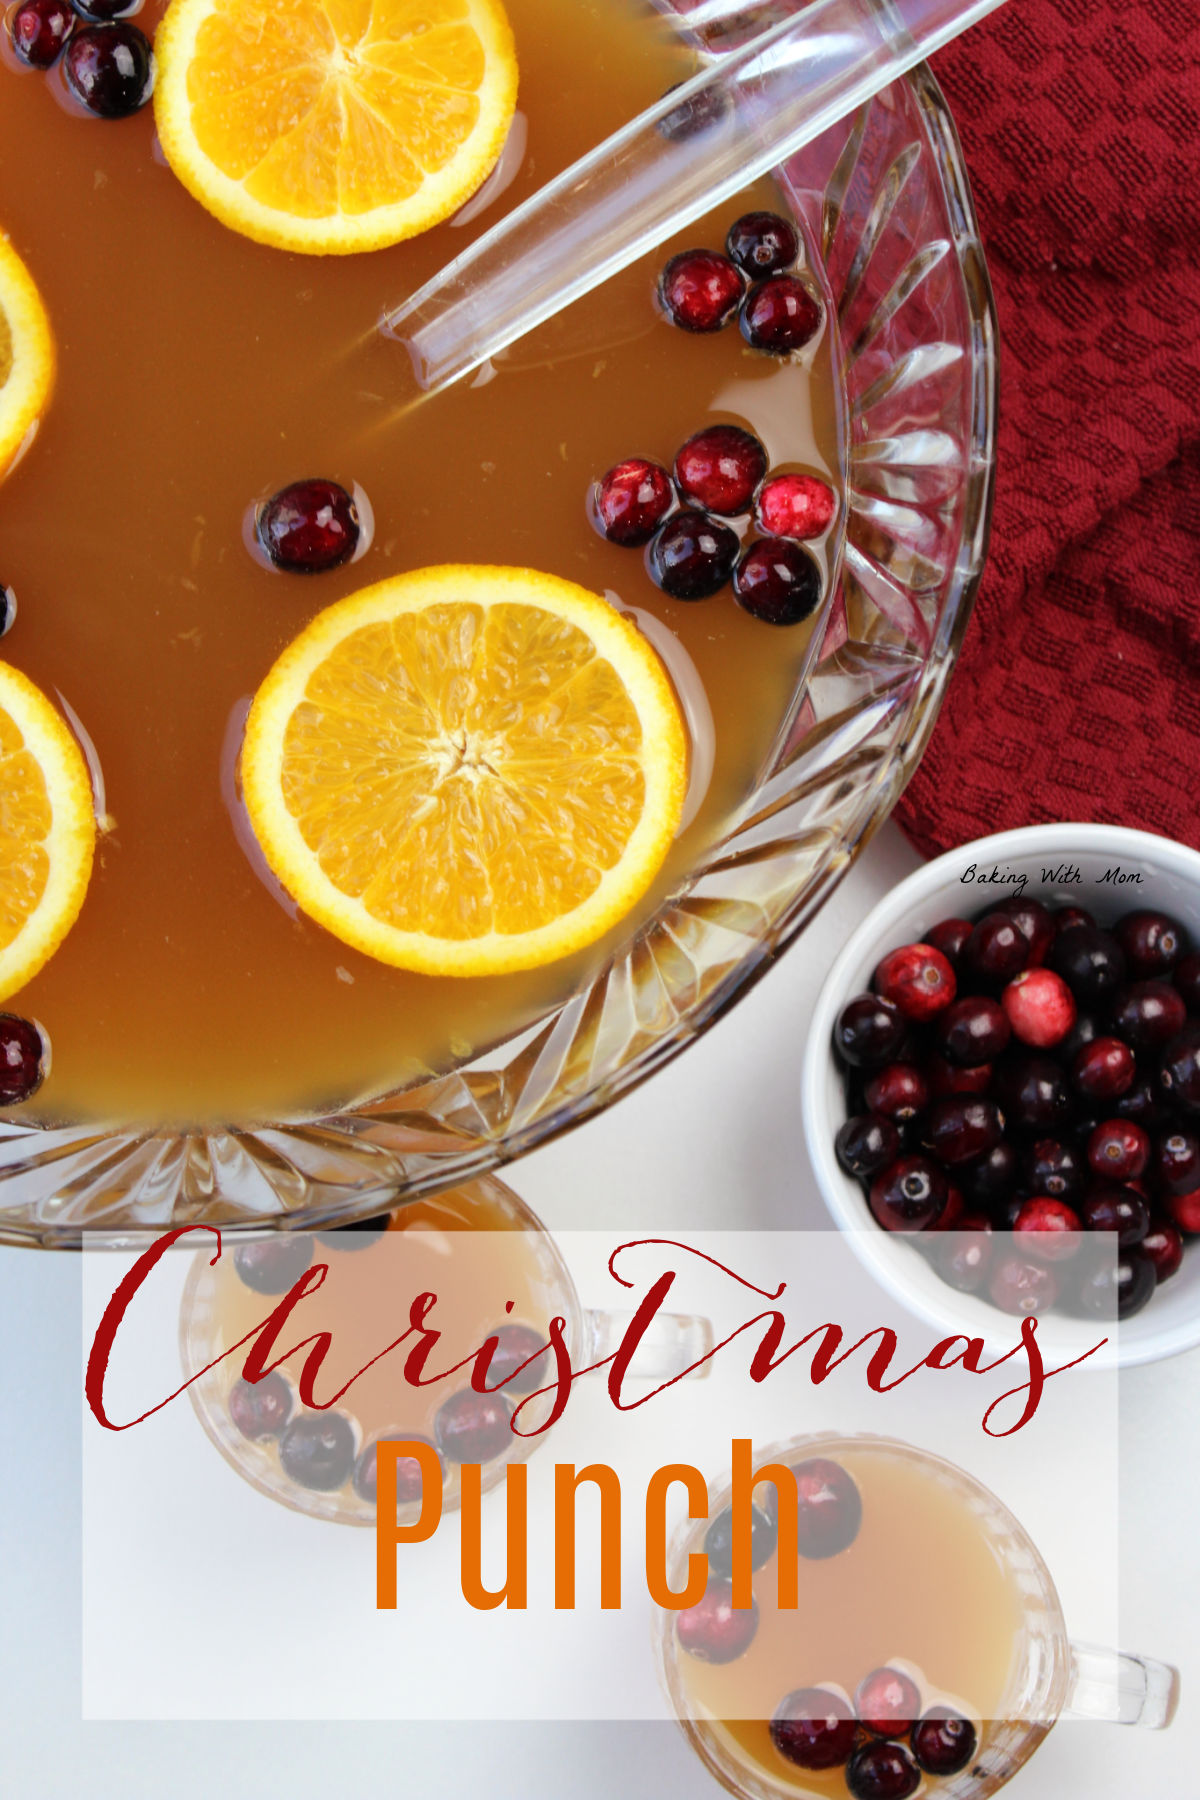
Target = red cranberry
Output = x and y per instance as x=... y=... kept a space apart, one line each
x=916 y=978
x=1048 y=1229
x=472 y=1428
x=952 y=1212
x=517 y=1345
x=1116 y=1287
x=1052 y=1168
x=887 y=1702
x=631 y=501
x=318 y=1450
x=869 y=1032
x=1185 y=1211
x=945 y=1080
x=1117 y=1209
x=1152 y=941
x=39 y=30
x=908 y=1195
x=261 y=1409
x=1020 y=1286
x=795 y=506
x=996 y=949
x=700 y=290
x=24 y=1059
x=973 y=1031
x=409 y=1478
x=1040 y=1007
x=1104 y=1069
x=275 y=1264
x=762 y=243
x=309 y=527
x=813 y=1728
x=1091 y=962
x=692 y=117
x=1119 y=1150
x=882 y=1771
x=865 y=1144
x=1177 y=1161
x=950 y=937
x=718 y=1541
x=692 y=556
x=1148 y=1014
x=1186 y=978
x=1179 y=1071
x=963 y=1256
x=943 y=1742
x=104 y=11
x=1036 y=924
x=899 y=1091
x=828 y=1508
x=1084 y=1031
x=991 y=1178
x=714 y=1630
x=779 y=315
x=1163 y=1247
x=1033 y=1094
x=778 y=582
x=110 y=69
x=720 y=468
x=1066 y=918
x=960 y=1129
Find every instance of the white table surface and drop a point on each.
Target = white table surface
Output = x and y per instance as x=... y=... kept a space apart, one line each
x=712 y=1141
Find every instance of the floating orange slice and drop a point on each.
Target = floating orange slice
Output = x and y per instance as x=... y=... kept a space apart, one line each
x=466 y=771
x=333 y=125
x=26 y=355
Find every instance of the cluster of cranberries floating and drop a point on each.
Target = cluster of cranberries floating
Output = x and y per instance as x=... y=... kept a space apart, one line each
x=309 y=527
x=1032 y=1072
x=701 y=290
x=107 y=62
x=322 y=1450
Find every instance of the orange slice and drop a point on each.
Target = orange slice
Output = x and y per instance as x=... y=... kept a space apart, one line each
x=333 y=125
x=47 y=830
x=466 y=771
x=26 y=356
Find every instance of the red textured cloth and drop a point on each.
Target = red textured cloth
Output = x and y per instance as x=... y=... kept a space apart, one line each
x=1077 y=695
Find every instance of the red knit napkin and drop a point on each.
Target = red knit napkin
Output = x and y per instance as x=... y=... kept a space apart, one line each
x=1077 y=694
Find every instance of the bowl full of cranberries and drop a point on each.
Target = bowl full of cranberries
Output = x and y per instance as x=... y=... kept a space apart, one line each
x=1001 y=1090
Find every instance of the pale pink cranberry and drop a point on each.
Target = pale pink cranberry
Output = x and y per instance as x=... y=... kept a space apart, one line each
x=1040 y=1007
x=795 y=506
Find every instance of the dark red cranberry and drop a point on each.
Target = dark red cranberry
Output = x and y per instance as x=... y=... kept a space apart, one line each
x=700 y=290
x=973 y=1031
x=963 y=1256
x=1179 y=1070
x=694 y=116
x=950 y=936
x=275 y=1264
x=1177 y=1161
x=1084 y=1031
x=631 y=501
x=916 y=978
x=1186 y=978
x=409 y=1478
x=996 y=949
x=1021 y=1286
x=473 y=1428
x=1117 y=1287
x=318 y=1450
x=1185 y=1211
x=1143 y=1104
x=899 y=1091
x=779 y=315
x=1048 y=1229
x=1040 y=1008
x=795 y=506
x=24 y=1059
x=720 y=468
x=1036 y=924
x=813 y=1728
x=1117 y=1209
x=992 y=1178
x=261 y=1409
x=943 y=1742
x=762 y=243
x=882 y=1771
x=1104 y=1069
x=104 y=11
x=8 y=609
x=908 y=1195
x=828 y=1508
x=869 y=1032
x=865 y=1144
x=778 y=582
x=945 y=1080
x=1066 y=918
x=715 y=1630
x=517 y=1346
x=110 y=69
x=1053 y=1168
x=887 y=1702
x=1153 y=942
x=1163 y=1247
x=718 y=1541
x=1149 y=1014
x=959 y=1130
x=1118 y=1150
x=692 y=556
x=1092 y=964
x=309 y=527
x=1032 y=1092
x=39 y=30
x=952 y=1212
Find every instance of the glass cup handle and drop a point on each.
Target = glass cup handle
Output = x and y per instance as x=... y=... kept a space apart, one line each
x=668 y=1348
x=1128 y=1690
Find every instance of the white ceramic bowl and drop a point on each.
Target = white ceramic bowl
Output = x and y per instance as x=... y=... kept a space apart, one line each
x=1170 y=876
